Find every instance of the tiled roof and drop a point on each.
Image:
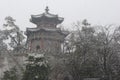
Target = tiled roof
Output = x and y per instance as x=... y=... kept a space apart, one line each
x=38 y=29
x=46 y=14
x=65 y=33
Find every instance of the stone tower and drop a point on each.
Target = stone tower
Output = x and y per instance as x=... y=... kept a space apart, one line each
x=46 y=35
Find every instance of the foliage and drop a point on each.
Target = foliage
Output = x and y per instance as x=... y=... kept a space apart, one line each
x=10 y=74
x=3 y=45
x=36 y=68
x=13 y=32
x=96 y=54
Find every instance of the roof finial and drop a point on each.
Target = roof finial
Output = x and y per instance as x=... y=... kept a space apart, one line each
x=47 y=9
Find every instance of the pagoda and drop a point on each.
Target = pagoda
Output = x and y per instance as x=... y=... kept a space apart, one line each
x=46 y=35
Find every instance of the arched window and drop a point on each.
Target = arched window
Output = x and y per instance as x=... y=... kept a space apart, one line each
x=37 y=47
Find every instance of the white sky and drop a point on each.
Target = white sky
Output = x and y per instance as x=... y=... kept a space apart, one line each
x=102 y=12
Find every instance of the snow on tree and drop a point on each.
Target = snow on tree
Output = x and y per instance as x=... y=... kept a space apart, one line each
x=3 y=46
x=10 y=74
x=36 y=68
x=13 y=33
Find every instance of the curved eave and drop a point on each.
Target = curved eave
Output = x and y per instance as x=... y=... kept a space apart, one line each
x=34 y=30
x=37 y=18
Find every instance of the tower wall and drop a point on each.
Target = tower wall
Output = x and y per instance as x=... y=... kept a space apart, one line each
x=45 y=44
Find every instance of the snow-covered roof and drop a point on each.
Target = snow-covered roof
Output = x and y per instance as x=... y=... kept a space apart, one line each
x=46 y=14
x=47 y=29
x=38 y=29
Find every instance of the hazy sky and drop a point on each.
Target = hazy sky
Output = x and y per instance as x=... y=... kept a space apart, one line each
x=96 y=11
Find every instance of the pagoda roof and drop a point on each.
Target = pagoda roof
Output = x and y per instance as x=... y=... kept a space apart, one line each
x=32 y=30
x=38 y=29
x=47 y=15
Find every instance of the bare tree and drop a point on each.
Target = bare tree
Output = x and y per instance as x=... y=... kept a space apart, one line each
x=107 y=50
x=96 y=54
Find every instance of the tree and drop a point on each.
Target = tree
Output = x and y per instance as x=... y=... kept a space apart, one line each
x=79 y=61
x=36 y=68
x=3 y=45
x=108 y=52
x=13 y=32
x=10 y=74
x=96 y=54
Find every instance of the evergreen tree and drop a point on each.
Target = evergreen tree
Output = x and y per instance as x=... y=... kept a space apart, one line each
x=14 y=34
x=36 y=68
x=10 y=74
